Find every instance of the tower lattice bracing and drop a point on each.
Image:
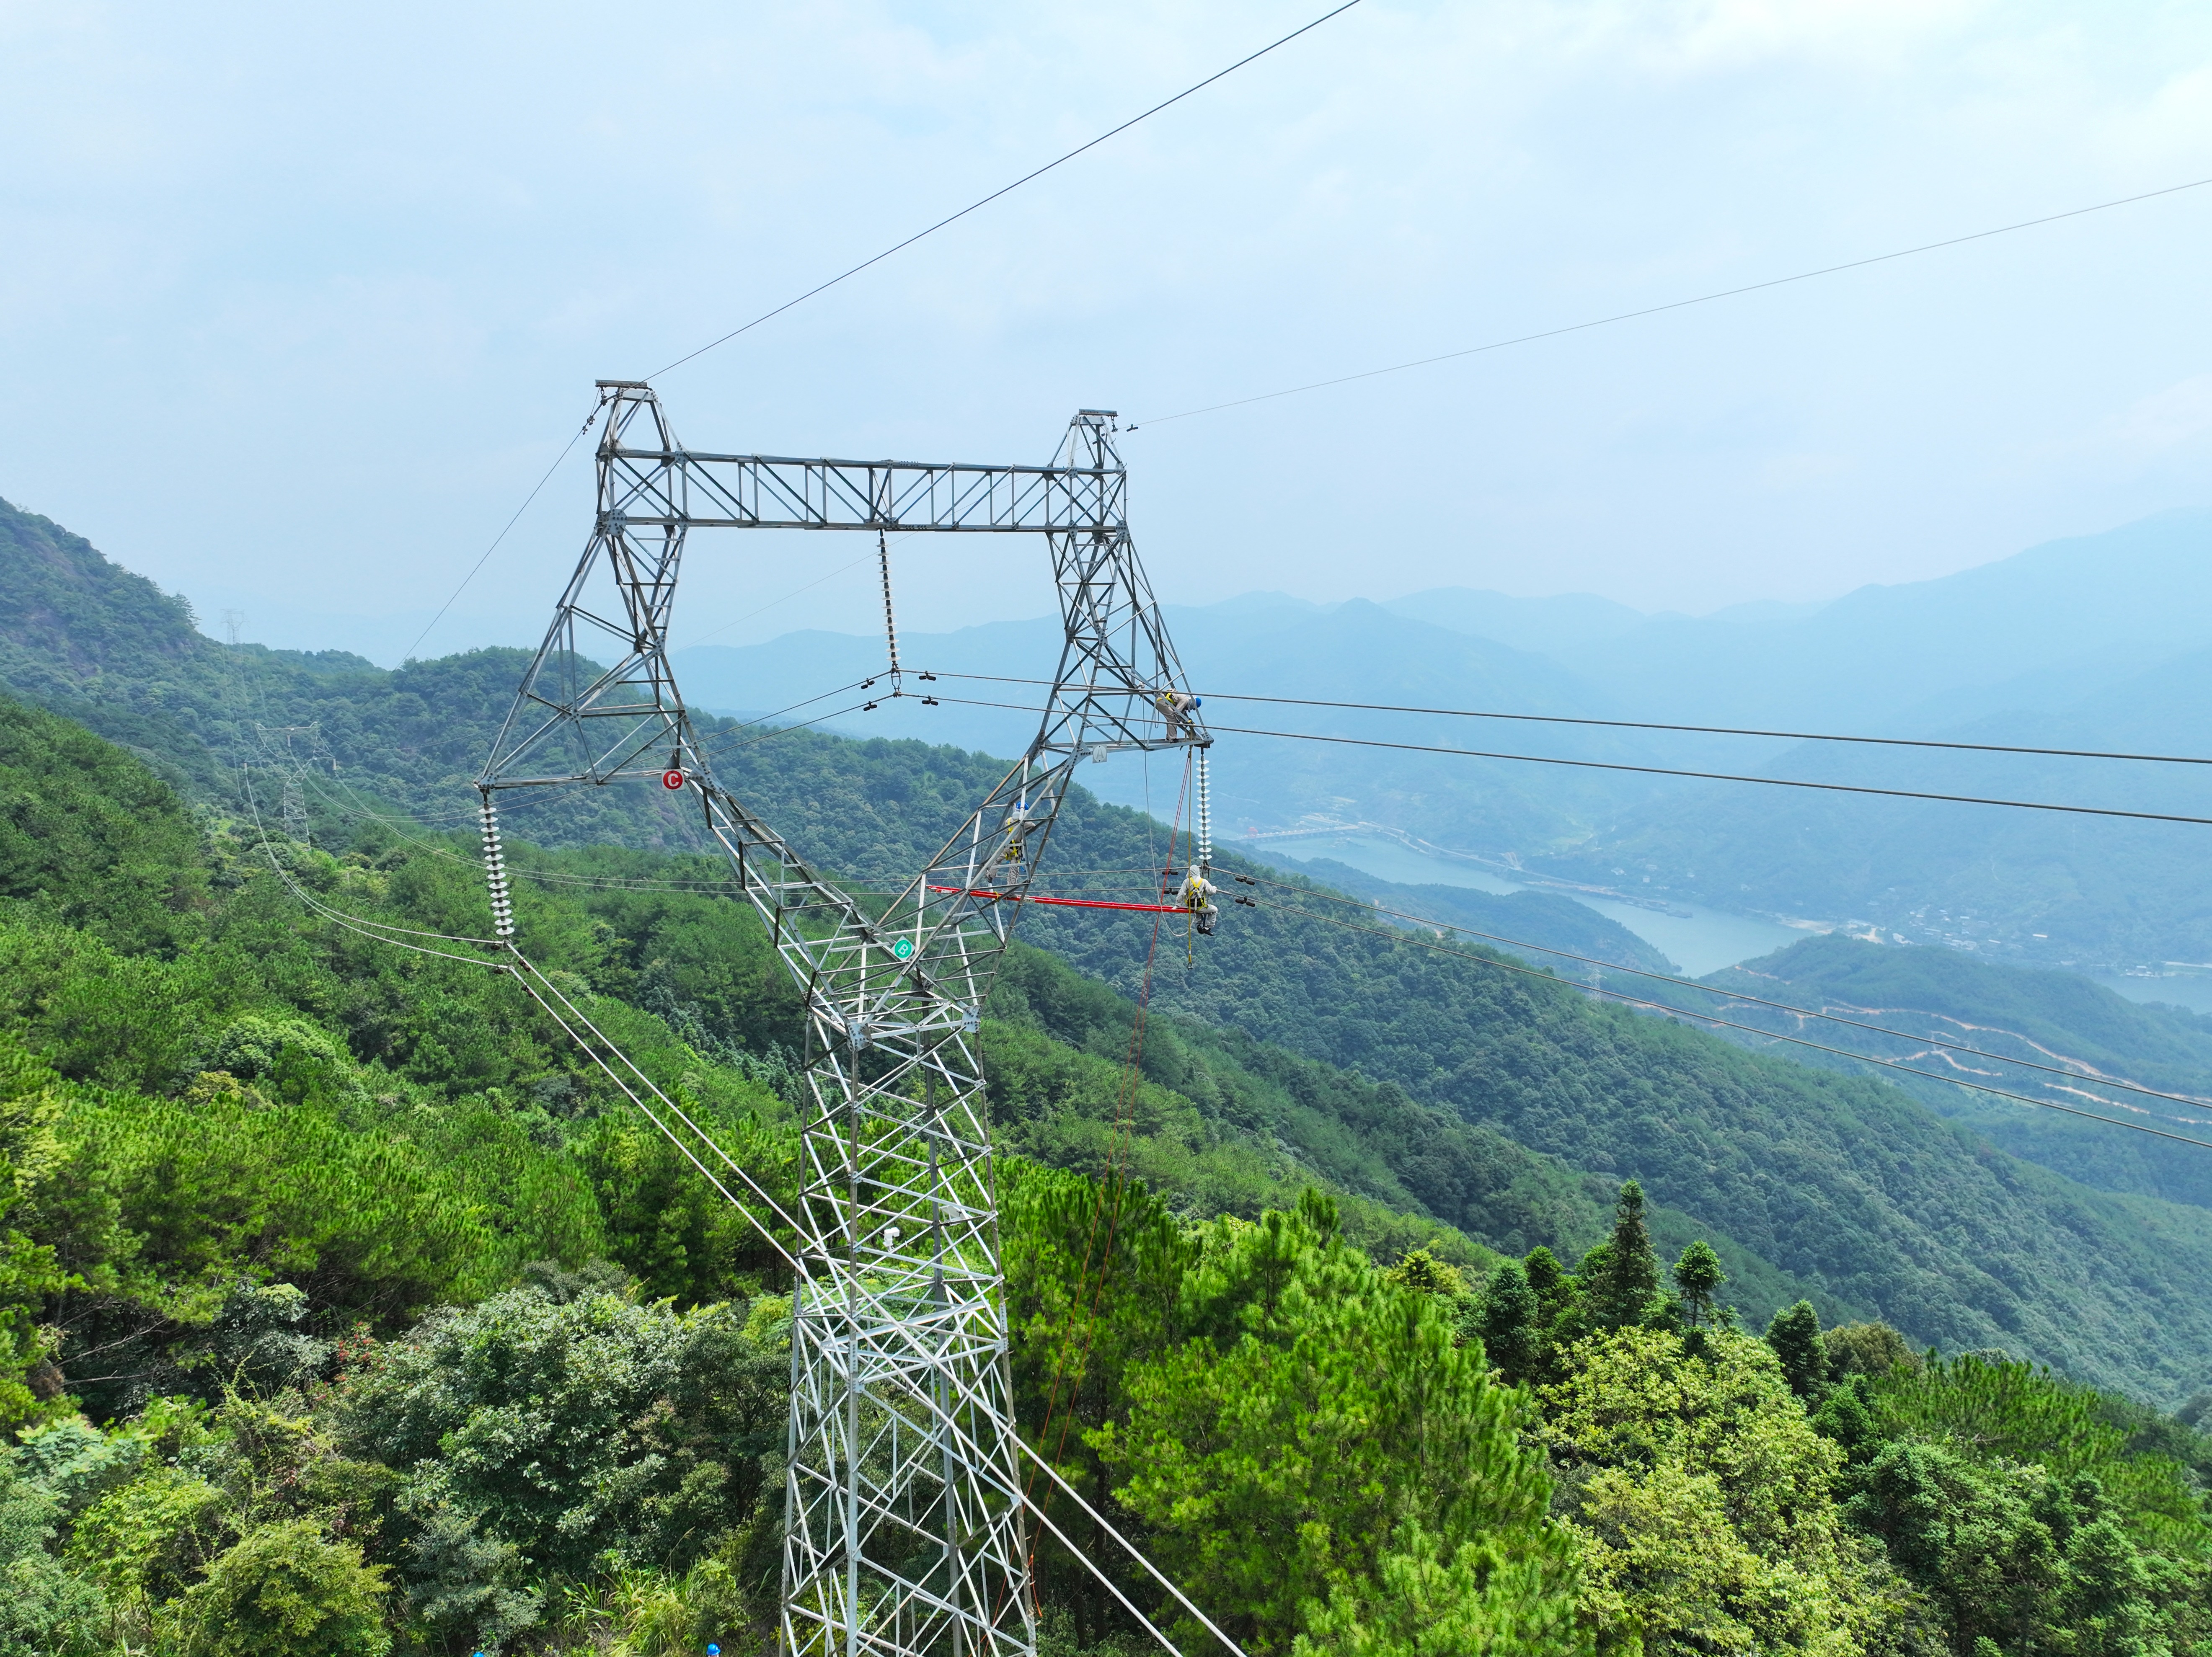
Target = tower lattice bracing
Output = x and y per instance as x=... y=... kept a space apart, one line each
x=905 y=1526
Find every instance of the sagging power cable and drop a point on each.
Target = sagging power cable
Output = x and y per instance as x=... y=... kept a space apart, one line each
x=822 y=696
x=524 y=971
x=1648 y=724
x=1729 y=731
x=712 y=749
x=1735 y=995
x=1728 y=776
x=484 y=557
x=1676 y=305
x=1004 y=190
x=1664 y=770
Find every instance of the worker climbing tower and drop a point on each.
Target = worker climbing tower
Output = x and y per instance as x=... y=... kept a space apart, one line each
x=905 y=1526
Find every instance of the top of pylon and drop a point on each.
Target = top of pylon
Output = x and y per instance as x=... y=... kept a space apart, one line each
x=623 y=385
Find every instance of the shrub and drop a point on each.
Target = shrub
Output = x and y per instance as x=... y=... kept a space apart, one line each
x=282 y=1591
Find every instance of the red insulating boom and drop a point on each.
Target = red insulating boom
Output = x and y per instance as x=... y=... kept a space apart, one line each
x=1067 y=902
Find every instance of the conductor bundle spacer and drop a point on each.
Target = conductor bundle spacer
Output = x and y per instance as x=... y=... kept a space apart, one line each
x=502 y=904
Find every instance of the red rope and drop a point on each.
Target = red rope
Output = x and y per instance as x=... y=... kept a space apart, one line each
x=1065 y=902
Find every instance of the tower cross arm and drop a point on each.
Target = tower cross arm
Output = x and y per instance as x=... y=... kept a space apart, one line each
x=683 y=488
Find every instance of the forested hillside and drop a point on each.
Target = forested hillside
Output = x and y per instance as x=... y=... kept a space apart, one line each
x=2046 y=1035
x=1836 y=1187
x=345 y=1309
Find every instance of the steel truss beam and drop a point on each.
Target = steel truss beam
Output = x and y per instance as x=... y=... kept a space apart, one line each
x=904 y=1530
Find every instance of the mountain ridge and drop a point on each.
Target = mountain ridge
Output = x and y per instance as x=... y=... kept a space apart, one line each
x=1846 y=1186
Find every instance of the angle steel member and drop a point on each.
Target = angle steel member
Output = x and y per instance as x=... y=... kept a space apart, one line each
x=905 y=1528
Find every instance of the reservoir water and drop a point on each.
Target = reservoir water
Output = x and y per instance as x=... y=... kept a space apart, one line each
x=2189 y=990
x=1701 y=941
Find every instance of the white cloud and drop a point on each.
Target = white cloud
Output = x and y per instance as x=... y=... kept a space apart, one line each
x=290 y=222
x=2180 y=414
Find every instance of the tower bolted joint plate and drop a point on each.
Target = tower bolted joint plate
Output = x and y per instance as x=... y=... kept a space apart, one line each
x=904 y=1522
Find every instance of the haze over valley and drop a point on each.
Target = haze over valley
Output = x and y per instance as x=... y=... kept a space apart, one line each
x=2103 y=642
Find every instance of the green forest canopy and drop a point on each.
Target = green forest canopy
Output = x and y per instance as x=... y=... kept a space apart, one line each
x=272 y=1188
x=1837 y=1188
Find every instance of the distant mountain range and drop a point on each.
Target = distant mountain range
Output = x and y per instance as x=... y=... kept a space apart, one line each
x=1432 y=1079
x=2097 y=605
x=2098 y=641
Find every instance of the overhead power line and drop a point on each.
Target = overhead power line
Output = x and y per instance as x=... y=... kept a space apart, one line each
x=864 y=264
x=1674 y=304
x=1723 y=730
x=484 y=557
x=1728 y=776
x=1003 y=190
x=1664 y=770
x=1648 y=724
x=385 y=932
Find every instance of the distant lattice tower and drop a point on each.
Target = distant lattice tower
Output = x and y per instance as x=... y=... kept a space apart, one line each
x=905 y=1529
x=295 y=811
x=290 y=749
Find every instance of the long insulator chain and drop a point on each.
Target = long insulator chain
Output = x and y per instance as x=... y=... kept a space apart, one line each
x=502 y=904
x=1204 y=816
x=890 y=627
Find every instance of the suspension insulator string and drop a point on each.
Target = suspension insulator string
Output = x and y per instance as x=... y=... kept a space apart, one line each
x=1204 y=816
x=890 y=627
x=502 y=902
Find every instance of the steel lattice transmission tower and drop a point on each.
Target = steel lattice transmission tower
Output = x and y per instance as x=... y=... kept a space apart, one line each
x=290 y=749
x=905 y=1530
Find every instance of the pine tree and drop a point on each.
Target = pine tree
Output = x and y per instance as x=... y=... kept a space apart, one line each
x=1549 y=1282
x=1698 y=1274
x=1561 y=1318
x=1509 y=1323
x=1621 y=1276
x=1795 y=1335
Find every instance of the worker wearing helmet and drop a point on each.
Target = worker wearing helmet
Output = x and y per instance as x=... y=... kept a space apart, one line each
x=1008 y=863
x=1197 y=896
x=1177 y=707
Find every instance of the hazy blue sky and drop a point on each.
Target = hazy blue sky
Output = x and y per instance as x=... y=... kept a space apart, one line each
x=297 y=300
